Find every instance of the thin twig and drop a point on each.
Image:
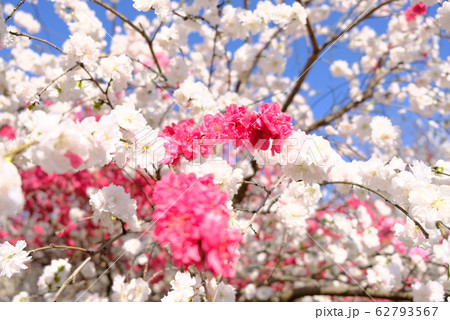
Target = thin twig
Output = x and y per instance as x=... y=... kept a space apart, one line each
x=260 y=209
x=57 y=246
x=56 y=79
x=21 y=2
x=425 y=233
x=20 y=34
x=71 y=278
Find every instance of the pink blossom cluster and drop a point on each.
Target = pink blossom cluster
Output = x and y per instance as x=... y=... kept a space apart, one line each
x=50 y=197
x=412 y=12
x=238 y=124
x=192 y=216
x=8 y=132
x=184 y=138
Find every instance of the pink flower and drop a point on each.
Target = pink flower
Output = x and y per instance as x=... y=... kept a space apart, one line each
x=213 y=127
x=188 y=139
x=191 y=215
x=241 y=125
x=8 y=132
x=270 y=123
x=237 y=121
x=412 y=12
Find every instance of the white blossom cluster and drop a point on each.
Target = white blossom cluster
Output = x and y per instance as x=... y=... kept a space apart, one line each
x=53 y=276
x=137 y=290
x=112 y=202
x=186 y=288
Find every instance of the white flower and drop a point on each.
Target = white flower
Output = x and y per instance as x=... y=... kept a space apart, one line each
x=432 y=200
x=299 y=12
x=412 y=236
x=222 y=293
x=62 y=146
x=84 y=296
x=338 y=253
x=384 y=135
x=370 y=238
x=224 y=175
x=13 y=258
x=264 y=293
x=443 y=16
x=133 y=246
x=182 y=288
x=5 y=36
x=387 y=274
x=89 y=270
x=297 y=203
x=104 y=137
x=432 y=291
x=143 y=5
x=137 y=290
x=113 y=201
x=340 y=68
x=129 y=118
x=195 y=97
x=117 y=68
x=11 y=196
x=148 y=149
x=22 y=296
x=54 y=275
x=304 y=157
x=82 y=48
x=162 y=7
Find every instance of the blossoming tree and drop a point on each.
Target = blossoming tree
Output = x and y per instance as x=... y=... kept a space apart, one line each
x=195 y=153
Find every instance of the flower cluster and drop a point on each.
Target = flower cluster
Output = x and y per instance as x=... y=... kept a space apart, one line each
x=185 y=138
x=412 y=12
x=13 y=258
x=182 y=288
x=113 y=202
x=187 y=209
x=53 y=276
x=263 y=130
x=135 y=291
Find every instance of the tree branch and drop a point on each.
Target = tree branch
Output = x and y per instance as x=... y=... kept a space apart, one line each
x=317 y=54
x=20 y=34
x=255 y=61
x=425 y=233
x=70 y=278
x=345 y=292
x=56 y=246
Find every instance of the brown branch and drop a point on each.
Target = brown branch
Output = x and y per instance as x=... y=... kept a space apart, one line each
x=211 y=65
x=56 y=246
x=240 y=195
x=21 y=2
x=70 y=278
x=97 y=84
x=367 y=94
x=425 y=233
x=56 y=79
x=345 y=292
x=20 y=34
x=256 y=60
x=140 y=30
x=322 y=50
x=261 y=207
x=311 y=34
